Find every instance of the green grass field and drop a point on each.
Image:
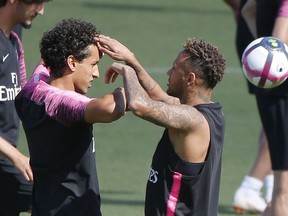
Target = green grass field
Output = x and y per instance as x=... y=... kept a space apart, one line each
x=155 y=32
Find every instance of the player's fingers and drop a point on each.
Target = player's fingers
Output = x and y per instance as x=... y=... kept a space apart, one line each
x=26 y=175
x=114 y=77
x=108 y=52
x=30 y=175
x=108 y=75
x=104 y=40
x=103 y=37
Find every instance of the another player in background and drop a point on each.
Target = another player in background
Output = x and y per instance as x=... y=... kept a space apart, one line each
x=248 y=197
x=15 y=172
x=272 y=20
x=273 y=103
x=58 y=121
x=186 y=167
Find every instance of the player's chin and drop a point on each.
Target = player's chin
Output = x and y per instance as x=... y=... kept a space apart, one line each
x=83 y=91
x=27 y=24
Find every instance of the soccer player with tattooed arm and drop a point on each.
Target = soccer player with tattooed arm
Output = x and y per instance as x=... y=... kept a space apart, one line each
x=185 y=173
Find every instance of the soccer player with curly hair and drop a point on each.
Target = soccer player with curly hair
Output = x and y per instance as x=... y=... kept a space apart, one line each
x=184 y=177
x=58 y=121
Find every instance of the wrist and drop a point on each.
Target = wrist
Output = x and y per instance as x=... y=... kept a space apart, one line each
x=131 y=60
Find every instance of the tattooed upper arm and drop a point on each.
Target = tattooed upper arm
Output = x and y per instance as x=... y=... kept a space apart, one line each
x=183 y=117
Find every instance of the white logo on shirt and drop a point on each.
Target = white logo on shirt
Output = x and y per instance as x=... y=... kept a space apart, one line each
x=153 y=175
x=14 y=79
x=9 y=93
x=93 y=145
x=5 y=57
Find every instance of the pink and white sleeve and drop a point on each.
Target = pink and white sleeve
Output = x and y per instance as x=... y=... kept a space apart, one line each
x=21 y=60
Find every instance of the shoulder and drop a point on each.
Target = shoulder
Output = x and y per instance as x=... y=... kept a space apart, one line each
x=40 y=77
x=212 y=111
x=62 y=105
x=16 y=38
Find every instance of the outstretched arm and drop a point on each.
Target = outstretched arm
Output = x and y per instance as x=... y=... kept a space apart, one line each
x=119 y=52
x=177 y=116
x=108 y=108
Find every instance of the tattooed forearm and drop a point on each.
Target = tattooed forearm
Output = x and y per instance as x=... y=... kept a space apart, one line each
x=152 y=87
x=166 y=115
x=146 y=81
x=134 y=91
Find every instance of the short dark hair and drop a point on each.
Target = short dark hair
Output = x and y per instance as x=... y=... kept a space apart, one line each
x=206 y=60
x=3 y=2
x=68 y=37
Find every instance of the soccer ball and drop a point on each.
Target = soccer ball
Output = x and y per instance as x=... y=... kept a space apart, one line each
x=265 y=62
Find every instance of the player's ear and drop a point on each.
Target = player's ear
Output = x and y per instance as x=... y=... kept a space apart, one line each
x=191 y=78
x=71 y=62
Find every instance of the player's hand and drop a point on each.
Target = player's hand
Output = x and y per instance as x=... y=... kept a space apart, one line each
x=114 y=48
x=114 y=71
x=21 y=162
x=120 y=98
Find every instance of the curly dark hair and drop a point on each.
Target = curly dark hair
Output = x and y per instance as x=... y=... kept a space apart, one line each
x=206 y=60
x=69 y=37
x=3 y=2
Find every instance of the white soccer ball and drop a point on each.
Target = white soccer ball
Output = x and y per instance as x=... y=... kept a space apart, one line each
x=265 y=62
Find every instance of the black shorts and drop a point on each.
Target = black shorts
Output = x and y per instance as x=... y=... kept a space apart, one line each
x=15 y=191
x=274 y=116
